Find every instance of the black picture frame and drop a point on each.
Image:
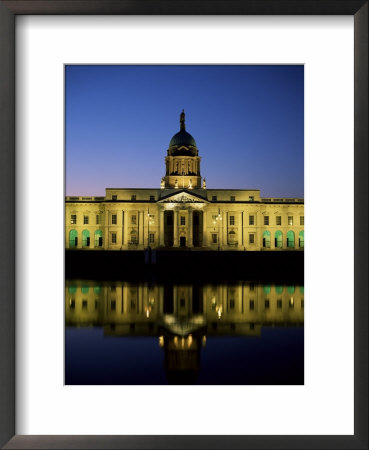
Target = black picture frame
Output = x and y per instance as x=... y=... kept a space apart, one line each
x=8 y=12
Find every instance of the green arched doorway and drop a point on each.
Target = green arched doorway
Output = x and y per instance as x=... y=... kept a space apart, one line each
x=98 y=238
x=278 y=239
x=290 y=239
x=73 y=238
x=301 y=239
x=85 y=238
x=266 y=239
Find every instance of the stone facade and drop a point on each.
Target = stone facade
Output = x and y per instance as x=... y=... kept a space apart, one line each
x=184 y=213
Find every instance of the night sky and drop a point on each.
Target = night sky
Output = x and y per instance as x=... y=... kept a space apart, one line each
x=248 y=123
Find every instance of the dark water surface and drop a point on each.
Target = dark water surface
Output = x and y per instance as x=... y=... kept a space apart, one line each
x=149 y=333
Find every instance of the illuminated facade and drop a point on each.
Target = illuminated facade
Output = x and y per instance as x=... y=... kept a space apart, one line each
x=184 y=213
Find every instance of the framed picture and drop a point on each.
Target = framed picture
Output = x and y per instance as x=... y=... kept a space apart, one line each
x=39 y=356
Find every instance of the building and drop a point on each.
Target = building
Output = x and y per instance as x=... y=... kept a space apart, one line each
x=184 y=213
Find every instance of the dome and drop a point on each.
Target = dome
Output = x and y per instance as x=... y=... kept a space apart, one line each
x=182 y=138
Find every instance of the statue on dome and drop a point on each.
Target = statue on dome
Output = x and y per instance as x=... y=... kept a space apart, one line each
x=204 y=183
x=182 y=120
x=162 y=183
x=176 y=184
x=190 y=184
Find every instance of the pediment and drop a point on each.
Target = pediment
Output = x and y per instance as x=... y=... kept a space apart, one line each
x=182 y=197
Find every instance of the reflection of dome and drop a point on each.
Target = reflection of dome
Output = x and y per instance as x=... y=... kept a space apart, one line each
x=182 y=138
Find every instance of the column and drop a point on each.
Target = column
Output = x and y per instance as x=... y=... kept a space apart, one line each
x=190 y=228
x=224 y=224
x=240 y=231
x=125 y=238
x=204 y=233
x=161 y=227
x=175 y=228
x=140 y=227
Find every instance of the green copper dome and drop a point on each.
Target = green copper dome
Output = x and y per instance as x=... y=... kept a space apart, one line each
x=182 y=138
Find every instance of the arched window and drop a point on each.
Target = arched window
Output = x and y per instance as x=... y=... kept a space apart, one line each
x=278 y=239
x=73 y=238
x=291 y=289
x=290 y=239
x=267 y=289
x=301 y=239
x=279 y=289
x=266 y=239
x=98 y=238
x=85 y=238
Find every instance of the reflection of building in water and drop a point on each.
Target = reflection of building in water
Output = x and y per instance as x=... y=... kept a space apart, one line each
x=184 y=213
x=182 y=316
x=141 y=309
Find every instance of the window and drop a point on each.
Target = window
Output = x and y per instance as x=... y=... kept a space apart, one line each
x=113 y=305
x=151 y=238
x=233 y=198
x=266 y=220
x=231 y=220
x=152 y=198
x=251 y=198
x=214 y=198
x=72 y=303
x=266 y=304
x=85 y=220
x=133 y=219
x=302 y=220
x=290 y=220
x=214 y=218
x=252 y=305
x=114 y=219
x=278 y=220
x=251 y=220
x=182 y=303
x=183 y=220
x=231 y=304
x=114 y=197
x=97 y=219
x=279 y=303
x=73 y=219
x=114 y=238
x=214 y=238
x=252 y=287
x=291 y=303
x=133 y=197
x=251 y=238
x=84 y=304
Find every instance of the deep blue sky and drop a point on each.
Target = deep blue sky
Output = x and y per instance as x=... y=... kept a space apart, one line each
x=248 y=123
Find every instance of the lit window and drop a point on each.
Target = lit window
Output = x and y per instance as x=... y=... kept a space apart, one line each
x=183 y=220
x=214 y=198
x=214 y=218
x=85 y=220
x=97 y=219
x=231 y=220
x=133 y=219
x=302 y=220
x=114 y=197
x=290 y=220
x=151 y=238
x=278 y=220
x=233 y=198
x=114 y=219
x=266 y=220
x=251 y=220
x=214 y=238
x=251 y=198
x=252 y=238
x=114 y=238
x=133 y=197
x=73 y=219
